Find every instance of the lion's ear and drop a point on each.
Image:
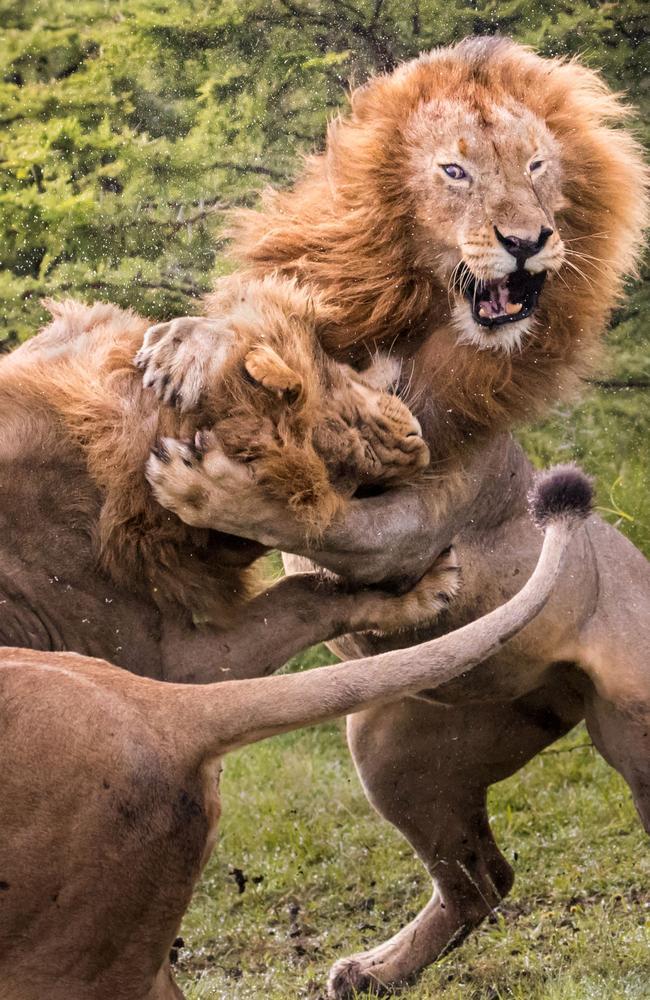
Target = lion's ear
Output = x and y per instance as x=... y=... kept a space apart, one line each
x=265 y=366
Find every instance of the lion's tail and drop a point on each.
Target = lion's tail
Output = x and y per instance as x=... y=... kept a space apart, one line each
x=235 y=713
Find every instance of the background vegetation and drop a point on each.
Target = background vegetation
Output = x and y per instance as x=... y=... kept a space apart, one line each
x=128 y=128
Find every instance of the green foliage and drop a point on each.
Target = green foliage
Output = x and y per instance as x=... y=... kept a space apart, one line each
x=129 y=127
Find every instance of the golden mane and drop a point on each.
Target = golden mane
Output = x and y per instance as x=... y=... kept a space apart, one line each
x=346 y=228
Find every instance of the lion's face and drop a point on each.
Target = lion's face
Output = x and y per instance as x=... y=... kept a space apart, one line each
x=486 y=179
x=311 y=427
x=436 y=214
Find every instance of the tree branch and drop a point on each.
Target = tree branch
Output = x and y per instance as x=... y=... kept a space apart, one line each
x=178 y=223
x=376 y=14
x=249 y=168
x=616 y=383
x=415 y=19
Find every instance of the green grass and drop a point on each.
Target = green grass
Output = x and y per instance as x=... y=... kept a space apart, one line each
x=326 y=876
x=608 y=435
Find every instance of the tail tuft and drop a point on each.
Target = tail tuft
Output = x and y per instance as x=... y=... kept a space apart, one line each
x=563 y=491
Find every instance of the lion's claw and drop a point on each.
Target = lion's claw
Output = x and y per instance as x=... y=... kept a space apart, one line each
x=180 y=359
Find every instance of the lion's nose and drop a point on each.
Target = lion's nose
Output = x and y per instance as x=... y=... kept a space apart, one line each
x=522 y=248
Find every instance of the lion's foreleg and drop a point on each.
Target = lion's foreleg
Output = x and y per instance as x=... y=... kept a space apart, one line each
x=295 y=613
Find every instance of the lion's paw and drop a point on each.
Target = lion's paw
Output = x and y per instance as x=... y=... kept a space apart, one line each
x=421 y=605
x=205 y=488
x=177 y=479
x=348 y=979
x=180 y=359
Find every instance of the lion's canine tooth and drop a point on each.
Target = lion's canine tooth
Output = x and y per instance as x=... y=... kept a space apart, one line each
x=513 y=307
x=483 y=312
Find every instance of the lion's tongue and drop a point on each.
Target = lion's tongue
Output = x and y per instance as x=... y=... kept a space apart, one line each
x=497 y=303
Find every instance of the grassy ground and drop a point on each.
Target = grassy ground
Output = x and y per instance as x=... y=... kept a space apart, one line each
x=325 y=875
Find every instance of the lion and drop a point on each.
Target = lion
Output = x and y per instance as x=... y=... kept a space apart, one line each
x=91 y=562
x=477 y=210
x=473 y=204
x=101 y=850
x=312 y=431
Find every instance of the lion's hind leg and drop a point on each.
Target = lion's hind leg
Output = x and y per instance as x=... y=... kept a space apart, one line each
x=622 y=735
x=427 y=769
x=617 y=708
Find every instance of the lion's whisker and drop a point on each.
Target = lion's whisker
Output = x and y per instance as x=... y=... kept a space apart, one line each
x=585 y=256
x=589 y=262
x=563 y=280
x=453 y=277
x=410 y=382
x=574 y=267
x=590 y=236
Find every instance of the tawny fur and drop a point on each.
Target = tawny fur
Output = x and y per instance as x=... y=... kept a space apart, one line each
x=314 y=429
x=309 y=444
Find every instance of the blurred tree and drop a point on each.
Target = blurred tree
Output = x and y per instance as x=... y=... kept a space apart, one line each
x=128 y=127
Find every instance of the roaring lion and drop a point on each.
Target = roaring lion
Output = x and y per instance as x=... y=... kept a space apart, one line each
x=477 y=210
x=91 y=562
x=101 y=848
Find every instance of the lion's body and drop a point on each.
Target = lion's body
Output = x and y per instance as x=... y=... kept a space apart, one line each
x=588 y=655
x=427 y=766
x=110 y=782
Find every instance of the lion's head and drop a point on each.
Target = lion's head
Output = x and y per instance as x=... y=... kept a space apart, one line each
x=480 y=200
x=486 y=179
x=313 y=430
x=316 y=429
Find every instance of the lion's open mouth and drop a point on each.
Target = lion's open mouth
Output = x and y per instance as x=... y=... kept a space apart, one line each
x=504 y=300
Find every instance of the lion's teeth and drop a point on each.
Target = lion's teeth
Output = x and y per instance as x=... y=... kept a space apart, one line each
x=483 y=312
x=513 y=307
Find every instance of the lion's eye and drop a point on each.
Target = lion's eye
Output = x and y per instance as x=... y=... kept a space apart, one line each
x=454 y=171
x=535 y=165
